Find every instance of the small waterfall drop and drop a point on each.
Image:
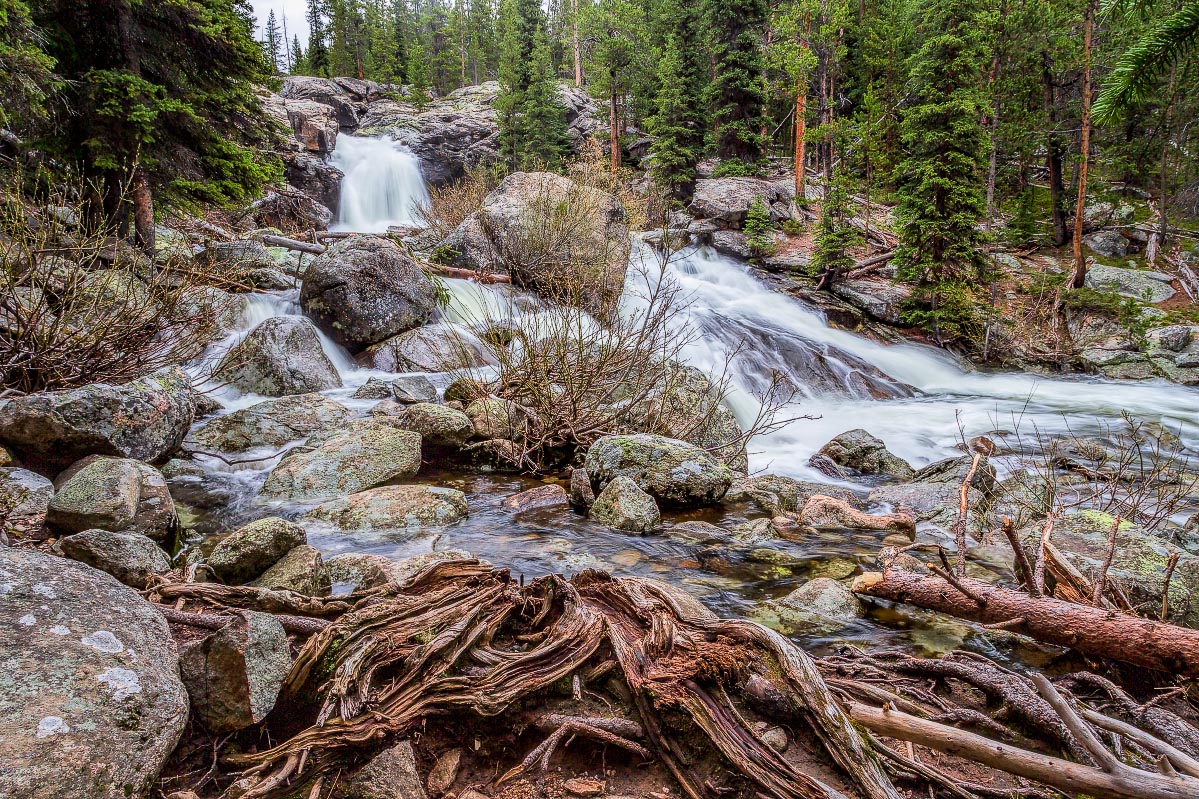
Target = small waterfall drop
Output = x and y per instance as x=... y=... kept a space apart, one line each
x=383 y=184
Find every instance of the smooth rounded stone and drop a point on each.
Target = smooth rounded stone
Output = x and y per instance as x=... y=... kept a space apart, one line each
x=823 y=598
x=373 y=389
x=391 y=774
x=698 y=532
x=233 y=676
x=24 y=499
x=825 y=513
x=1140 y=284
x=216 y=313
x=437 y=425
x=393 y=508
x=1107 y=244
x=249 y=551
x=413 y=388
x=91 y=704
x=130 y=557
x=366 y=289
x=858 y=452
x=115 y=494
x=345 y=464
x=775 y=494
x=582 y=495
x=444 y=772
x=726 y=201
x=433 y=348
x=237 y=257
x=622 y=505
x=466 y=390
x=145 y=419
x=496 y=417
x=689 y=408
x=270 y=424
x=281 y=356
x=674 y=472
x=301 y=570
x=546 y=496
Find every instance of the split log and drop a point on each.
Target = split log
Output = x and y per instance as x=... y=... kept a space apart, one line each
x=271 y=240
x=1092 y=631
x=1073 y=778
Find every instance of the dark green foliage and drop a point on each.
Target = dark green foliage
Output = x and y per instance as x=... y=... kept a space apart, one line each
x=940 y=180
x=736 y=28
x=273 y=45
x=1141 y=68
x=298 y=62
x=759 y=233
x=675 y=151
x=737 y=168
x=835 y=235
x=24 y=65
x=318 y=46
x=418 y=76
x=532 y=119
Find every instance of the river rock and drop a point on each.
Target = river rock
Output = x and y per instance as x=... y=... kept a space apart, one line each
x=24 y=499
x=776 y=494
x=689 y=407
x=366 y=289
x=145 y=419
x=1140 y=284
x=215 y=313
x=933 y=494
x=826 y=513
x=818 y=602
x=90 y=698
x=582 y=495
x=314 y=125
x=271 y=423
x=497 y=418
x=393 y=508
x=118 y=291
x=233 y=676
x=391 y=774
x=235 y=258
x=130 y=557
x=674 y=472
x=403 y=389
x=358 y=571
x=437 y=425
x=115 y=494
x=466 y=390
x=281 y=356
x=622 y=505
x=513 y=215
x=880 y=299
x=432 y=348
x=346 y=463
x=725 y=201
x=301 y=570
x=249 y=551
x=546 y=496
x=858 y=452
x=1107 y=244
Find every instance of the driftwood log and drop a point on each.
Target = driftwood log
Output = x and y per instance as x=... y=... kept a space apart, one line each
x=438 y=269
x=1093 y=631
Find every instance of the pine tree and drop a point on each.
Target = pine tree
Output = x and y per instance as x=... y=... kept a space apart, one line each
x=25 y=66
x=674 y=153
x=418 y=76
x=736 y=28
x=835 y=236
x=543 y=117
x=940 y=182
x=399 y=37
x=273 y=44
x=525 y=86
x=318 y=47
x=299 y=64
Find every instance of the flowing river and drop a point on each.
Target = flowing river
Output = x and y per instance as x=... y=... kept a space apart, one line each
x=917 y=399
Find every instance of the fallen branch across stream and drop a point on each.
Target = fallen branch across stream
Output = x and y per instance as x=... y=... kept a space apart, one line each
x=311 y=248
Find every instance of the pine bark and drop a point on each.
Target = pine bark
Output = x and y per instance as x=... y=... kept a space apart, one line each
x=1080 y=263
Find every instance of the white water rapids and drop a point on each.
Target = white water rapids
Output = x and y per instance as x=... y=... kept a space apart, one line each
x=382 y=185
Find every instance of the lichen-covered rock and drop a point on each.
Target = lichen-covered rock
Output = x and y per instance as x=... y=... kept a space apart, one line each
x=546 y=496
x=234 y=258
x=883 y=300
x=391 y=774
x=582 y=495
x=403 y=389
x=822 y=603
x=130 y=557
x=775 y=494
x=344 y=464
x=233 y=676
x=301 y=570
x=466 y=390
x=674 y=472
x=145 y=419
x=496 y=417
x=366 y=289
x=827 y=513
x=214 y=313
x=91 y=704
x=402 y=507
x=24 y=499
x=690 y=407
x=858 y=452
x=933 y=493
x=357 y=571
x=622 y=505
x=726 y=201
x=1107 y=243
x=115 y=494
x=249 y=551
x=270 y=424
x=437 y=425
x=281 y=356
x=1140 y=284
x=433 y=348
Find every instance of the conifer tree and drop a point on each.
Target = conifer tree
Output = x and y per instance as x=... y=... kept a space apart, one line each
x=299 y=64
x=543 y=117
x=940 y=180
x=835 y=236
x=673 y=153
x=526 y=88
x=318 y=47
x=273 y=44
x=399 y=37
x=418 y=76
x=736 y=28
x=25 y=66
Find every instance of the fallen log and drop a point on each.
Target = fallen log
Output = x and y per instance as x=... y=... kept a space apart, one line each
x=1123 y=782
x=271 y=240
x=216 y=621
x=1092 y=631
x=437 y=269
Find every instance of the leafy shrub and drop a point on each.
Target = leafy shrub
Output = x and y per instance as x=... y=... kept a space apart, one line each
x=736 y=168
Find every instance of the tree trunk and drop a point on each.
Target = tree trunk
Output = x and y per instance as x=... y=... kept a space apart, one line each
x=1163 y=183
x=1053 y=154
x=1093 y=631
x=1080 y=263
x=577 y=47
x=613 y=137
x=801 y=108
x=143 y=212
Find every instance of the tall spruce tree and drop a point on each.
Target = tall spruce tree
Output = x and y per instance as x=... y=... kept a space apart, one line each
x=25 y=66
x=736 y=28
x=318 y=47
x=523 y=90
x=835 y=236
x=273 y=44
x=673 y=152
x=399 y=38
x=299 y=63
x=543 y=116
x=940 y=180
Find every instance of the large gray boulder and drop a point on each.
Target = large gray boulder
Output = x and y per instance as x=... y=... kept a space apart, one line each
x=1107 y=243
x=439 y=426
x=776 y=495
x=690 y=407
x=270 y=424
x=725 y=201
x=114 y=494
x=858 y=452
x=145 y=419
x=24 y=499
x=933 y=494
x=405 y=507
x=301 y=570
x=132 y=558
x=624 y=506
x=281 y=356
x=1140 y=284
x=347 y=463
x=313 y=124
x=674 y=472
x=432 y=348
x=366 y=289
x=91 y=703
x=515 y=224
x=497 y=418
x=249 y=551
x=880 y=299
x=233 y=676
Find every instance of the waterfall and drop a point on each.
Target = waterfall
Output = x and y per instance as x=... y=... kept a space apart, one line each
x=382 y=185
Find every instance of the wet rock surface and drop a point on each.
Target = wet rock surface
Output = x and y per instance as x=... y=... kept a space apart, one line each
x=674 y=472
x=281 y=356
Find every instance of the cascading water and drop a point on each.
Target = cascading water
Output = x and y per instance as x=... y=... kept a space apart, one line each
x=382 y=184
